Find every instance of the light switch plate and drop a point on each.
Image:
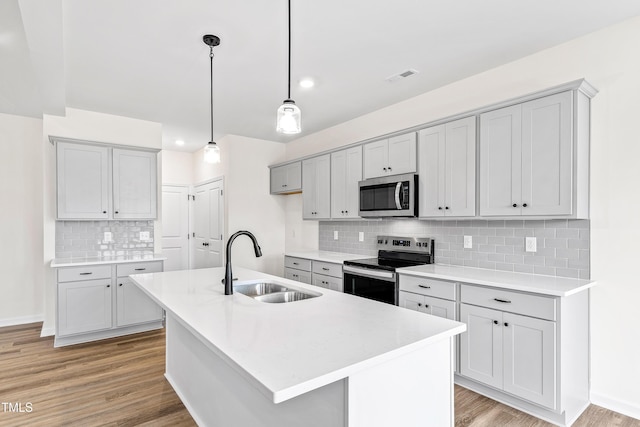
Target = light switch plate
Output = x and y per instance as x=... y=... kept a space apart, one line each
x=144 y=236
x=335 y=235
x=468 y=242
x=107 y=237
x=531 y=244
x=361 y=236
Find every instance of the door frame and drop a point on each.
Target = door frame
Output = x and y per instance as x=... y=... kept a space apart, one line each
x=192 y=191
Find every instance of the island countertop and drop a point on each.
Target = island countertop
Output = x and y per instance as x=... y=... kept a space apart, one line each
x=288 y=349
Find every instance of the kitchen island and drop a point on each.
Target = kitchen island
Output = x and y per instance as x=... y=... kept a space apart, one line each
x=332 y=360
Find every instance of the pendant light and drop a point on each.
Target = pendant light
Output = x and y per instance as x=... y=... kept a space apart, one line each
x=211 y=150
x=288 y=119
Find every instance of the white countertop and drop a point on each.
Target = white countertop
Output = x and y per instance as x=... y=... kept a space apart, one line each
x=547 y=285
x=326 y=256
x=118 y=259
x=288 y=349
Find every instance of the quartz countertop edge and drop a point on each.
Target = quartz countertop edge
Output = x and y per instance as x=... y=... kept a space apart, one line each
x=116 y=259
x=534 y=283
x=325 y=344
x=326 y=256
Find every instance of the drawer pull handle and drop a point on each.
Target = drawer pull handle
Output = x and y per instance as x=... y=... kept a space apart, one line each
x=141 y=269
x=295 y=263
x=325 y=268
x=424 y=286
x=85 y=274
x=506 y=301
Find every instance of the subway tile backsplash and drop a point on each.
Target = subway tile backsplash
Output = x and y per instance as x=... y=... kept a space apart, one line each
x=562 y=245
x=86 y=238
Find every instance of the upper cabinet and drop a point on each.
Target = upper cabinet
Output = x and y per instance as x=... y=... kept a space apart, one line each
x=534 y=158
x=287 y=178
x=101 y=182
x=316 y=187
x=392 y=156
x=346 y=171
x=447 y=169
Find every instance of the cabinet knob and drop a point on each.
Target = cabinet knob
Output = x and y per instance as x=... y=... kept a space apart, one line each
x=419 y=305
x=384 y=169
x=426 y=306
x=495 y=322
x=342 y=211
x=104 y=212
x=116 y=212
x=120 y=284
x=389 y=168
x=446 y=207
x=346 y=212
x=524 y=205
x=506 y=324
x=439 y=208
x=108 y=286
x=515 y=205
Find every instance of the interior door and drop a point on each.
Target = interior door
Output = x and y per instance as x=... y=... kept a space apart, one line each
x=175 y=227
x=208 y=225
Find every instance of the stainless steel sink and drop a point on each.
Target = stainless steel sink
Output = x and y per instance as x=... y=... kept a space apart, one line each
x=273 y=292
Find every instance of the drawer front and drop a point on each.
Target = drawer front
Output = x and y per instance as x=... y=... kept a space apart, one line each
x=90 y=272
x=124 y=270
x=297 y=275
x=329 y=282
x=513 y=302
x=297 y=263
x=430 y=287
x=327 y=269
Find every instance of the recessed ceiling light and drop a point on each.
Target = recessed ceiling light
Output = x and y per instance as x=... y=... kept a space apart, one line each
x=307 y=83
x=179 y=142
x=407 y=73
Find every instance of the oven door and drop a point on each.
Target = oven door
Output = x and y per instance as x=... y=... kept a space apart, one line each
x=377 y=285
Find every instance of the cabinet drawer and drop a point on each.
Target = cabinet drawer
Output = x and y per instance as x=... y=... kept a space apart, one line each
x=429 y=287
x=123 y=270
x=510 y=301
x=90 y=272
x=297 y=263
x=328 y=282
x=298 y=275
x=327 y=269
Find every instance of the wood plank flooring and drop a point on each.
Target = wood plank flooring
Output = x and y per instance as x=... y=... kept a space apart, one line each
x=120 y=382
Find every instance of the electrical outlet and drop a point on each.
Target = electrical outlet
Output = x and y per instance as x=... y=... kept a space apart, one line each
x=335 y=235
x=107 y=237
x=531 y=244
x=144 y=236
x=468 y=242
x=361 y=236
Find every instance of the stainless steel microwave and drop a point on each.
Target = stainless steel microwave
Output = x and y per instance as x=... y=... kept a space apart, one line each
x=395 y=195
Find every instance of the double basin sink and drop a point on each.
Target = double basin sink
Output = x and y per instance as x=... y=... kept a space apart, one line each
x=273 y=292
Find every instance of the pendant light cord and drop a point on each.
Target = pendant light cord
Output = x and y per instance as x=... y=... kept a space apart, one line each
x=289 y=80
x=211 y=60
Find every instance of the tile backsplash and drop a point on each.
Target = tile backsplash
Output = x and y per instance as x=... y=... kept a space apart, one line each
x=562 y=245
x=86 y=238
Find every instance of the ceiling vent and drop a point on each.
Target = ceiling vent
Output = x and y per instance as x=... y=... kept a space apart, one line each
x=402 y=75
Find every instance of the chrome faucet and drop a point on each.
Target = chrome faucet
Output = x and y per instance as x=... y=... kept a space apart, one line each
x=228 y=275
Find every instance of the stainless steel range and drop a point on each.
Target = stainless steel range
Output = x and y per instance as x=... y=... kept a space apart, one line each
x=375 y=278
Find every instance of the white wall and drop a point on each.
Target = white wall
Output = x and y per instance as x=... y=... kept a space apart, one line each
x=90 y=126
x=21 y=180
x=177 y=167
x=607 y=60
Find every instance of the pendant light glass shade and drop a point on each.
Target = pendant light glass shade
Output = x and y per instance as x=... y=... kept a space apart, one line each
x=212 y=153
x=289 y=118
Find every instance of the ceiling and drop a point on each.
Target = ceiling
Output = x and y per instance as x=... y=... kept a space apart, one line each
x=145 y=58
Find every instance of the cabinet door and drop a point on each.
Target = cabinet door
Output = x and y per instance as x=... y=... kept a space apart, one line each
x=82 y=181
x=431 y=171
x=460 y=168
x=440 y=307
x=133 y=305
x=134 y=184
x=328 y=282
x=500 y=157
x=346 y=172
x=402 y=154
x=411 y=301
x=481 y=345
x=84 y=306
x=316 y=193
x=293 y=178
x=353 y=176
x=297 y=275
x=278 y=179
x=547 y=155
x=309 y=182
x=375 y=158
x=529 y=358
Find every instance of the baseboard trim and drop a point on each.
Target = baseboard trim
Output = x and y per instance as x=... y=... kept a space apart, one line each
x=625 y=408
x=13 y=321
x=47 y=332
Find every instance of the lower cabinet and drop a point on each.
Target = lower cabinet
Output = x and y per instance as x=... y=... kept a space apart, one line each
x=100 y=301
x=319 y=273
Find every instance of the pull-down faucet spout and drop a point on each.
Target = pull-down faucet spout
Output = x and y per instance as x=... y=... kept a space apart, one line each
x=228 y=275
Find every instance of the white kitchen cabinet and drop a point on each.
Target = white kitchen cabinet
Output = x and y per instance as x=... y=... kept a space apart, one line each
x=316 y=187
x=84 y=306
x=532 y=162
x=133 y=305
x=424 y=304
x=346 y=172
x=298 y=269
x=447 y=169
x=98 y=181
x=134 y=184
x=82 y=181
x=392 y=156
x=287 y=178
x=319 y=273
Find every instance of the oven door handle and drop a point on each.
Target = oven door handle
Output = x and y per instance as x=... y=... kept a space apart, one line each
x=377 y=274
x=398 y=188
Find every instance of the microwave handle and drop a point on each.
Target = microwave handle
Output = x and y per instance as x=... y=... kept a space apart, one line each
x=398 y=189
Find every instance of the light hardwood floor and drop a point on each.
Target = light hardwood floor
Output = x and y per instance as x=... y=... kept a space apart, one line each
x=120 y=382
